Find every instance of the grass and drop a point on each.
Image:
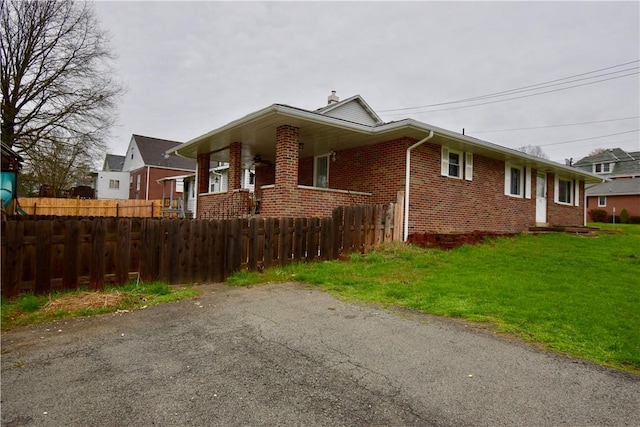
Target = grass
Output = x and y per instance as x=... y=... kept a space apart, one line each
x=33 y=309
x=573 y=294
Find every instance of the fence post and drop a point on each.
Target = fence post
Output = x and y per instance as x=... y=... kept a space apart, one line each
x=117 y=209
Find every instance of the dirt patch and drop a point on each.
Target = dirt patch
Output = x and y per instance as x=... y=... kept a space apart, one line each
x=451 y=240
x=85 y=300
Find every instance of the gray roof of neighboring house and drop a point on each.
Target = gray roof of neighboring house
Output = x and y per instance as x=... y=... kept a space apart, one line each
x=113 y=163
x=626 y=163
x=152 y=151
x=616 y=187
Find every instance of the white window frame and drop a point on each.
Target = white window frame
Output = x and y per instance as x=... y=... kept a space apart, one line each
x=602 y=201
x=445 y=166
x=130 y=182
x=315 y=169
x=465 y=168
x=212 y=182
x=179 y=185
x=603 y=166
x=508 y=167
x=572 y=193
x=138 y=181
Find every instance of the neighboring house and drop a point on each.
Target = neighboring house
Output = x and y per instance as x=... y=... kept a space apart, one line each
x=111 y=182
x=308 y=162
x=612 y=163
x=146 y=163
x=615 y=195
x=623 y=191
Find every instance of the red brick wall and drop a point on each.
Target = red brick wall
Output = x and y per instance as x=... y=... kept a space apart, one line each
x=443 y=204
x=203 y=173
x=235 y=166
x=286 y=175
x=306 y=202
x=437 y=203
x=558 y=214
x=155 y=189
x=630 y=203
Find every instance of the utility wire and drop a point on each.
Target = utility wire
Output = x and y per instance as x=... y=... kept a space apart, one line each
x=516 y=97
x=553 y=126
x=615 y=144
x=588 y=139
x=520 y=88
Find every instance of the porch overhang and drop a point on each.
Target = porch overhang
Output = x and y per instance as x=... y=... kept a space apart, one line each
x=320 y=134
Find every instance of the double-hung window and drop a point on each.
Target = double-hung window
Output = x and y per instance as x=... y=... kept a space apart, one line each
x=455 y=164
x=602 y=167
x=514 y=180
x=321 y=171
x=567 y=191
x=602 y=201
x=114 y=184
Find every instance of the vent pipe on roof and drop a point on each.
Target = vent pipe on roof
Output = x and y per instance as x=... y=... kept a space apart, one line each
x=333 y=98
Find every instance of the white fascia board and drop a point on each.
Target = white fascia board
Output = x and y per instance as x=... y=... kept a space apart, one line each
x=532 y=160
x=241 y=121
x=172 y=178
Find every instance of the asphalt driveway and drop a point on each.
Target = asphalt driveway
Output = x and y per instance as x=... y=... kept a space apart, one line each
x=292 y=355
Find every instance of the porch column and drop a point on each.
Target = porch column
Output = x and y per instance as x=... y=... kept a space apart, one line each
x=203 y=173
x=235 y=166
x=286 y=157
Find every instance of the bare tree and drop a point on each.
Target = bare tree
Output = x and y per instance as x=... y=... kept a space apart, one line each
x=596 y=151
x=58 y=93
x=534 y=150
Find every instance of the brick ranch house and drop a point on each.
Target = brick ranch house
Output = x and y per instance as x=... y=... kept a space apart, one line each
x=308 y=162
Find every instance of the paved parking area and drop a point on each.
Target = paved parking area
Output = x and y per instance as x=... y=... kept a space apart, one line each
x=292 y=355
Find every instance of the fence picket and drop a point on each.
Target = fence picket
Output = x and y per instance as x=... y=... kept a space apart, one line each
x=45 y=254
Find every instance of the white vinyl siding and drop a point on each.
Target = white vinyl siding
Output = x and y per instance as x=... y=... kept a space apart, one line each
x=514 y=181
x=353 y=112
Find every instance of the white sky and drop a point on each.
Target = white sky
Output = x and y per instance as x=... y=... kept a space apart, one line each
x=191 y=67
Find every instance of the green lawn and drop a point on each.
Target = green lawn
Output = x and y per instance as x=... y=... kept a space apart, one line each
x=574 y=294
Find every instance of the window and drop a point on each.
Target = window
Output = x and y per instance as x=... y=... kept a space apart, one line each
x=131 y=182
x=455 y=162
x=321 y=172
x=514 y=182
x=138 y=182
x=602 y=167
x=564 y=193
x=602 y=201
x=114 y=183
x=252 y=178
x=179 y=185
x=218 y=182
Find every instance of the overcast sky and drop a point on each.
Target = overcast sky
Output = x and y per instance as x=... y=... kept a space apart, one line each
x=191 y=67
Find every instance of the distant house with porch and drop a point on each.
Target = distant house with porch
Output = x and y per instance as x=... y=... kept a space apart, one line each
x=307 y=162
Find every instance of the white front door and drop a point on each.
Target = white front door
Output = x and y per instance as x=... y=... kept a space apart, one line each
x=541 y=199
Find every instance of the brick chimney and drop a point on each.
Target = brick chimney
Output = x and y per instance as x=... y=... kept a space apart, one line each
x=333 y=98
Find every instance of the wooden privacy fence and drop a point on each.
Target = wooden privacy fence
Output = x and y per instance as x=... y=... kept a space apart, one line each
x=91 y=207
x=54 y=254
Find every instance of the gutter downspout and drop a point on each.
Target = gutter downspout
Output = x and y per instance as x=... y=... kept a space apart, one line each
x=146 y=197
x=407 y=184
